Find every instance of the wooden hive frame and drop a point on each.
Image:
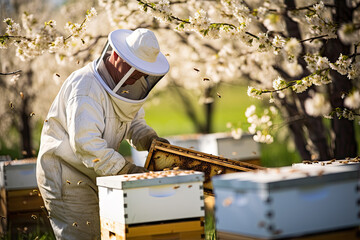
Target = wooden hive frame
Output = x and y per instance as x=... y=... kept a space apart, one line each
x=163 y=155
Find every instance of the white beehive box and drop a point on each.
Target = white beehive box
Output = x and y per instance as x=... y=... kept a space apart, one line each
x=287 y=202
x=140 y=198
x=223 y=144
x=18 y=174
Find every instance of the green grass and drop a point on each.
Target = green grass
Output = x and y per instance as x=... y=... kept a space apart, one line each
x=168 y=118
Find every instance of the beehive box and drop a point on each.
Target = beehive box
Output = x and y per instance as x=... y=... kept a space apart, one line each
x=18 y=174
x=287 y=202
x=163 y=155
x=224 y=144
x=21 y=203
x=150 y=197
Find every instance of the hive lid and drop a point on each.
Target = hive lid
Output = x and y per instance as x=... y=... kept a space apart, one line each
x=285 y=177
x=331 y=163
x=149 y=179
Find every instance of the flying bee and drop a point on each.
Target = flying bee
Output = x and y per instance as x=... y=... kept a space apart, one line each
x=167 y=54
x=79 y=182
x=46 y=120
x=68 y=182
x=125 y=91
x=58 y=75
x=32 y=114
x=87 y=223
x=219 y=171
x=22 y=95
x=206 y=79
x=75 y=224
x=96 y=160
x=227 y=202
x=196 y=70
x=78 y=62
x=33 y=216
x=11 y=105
x=218 y=94
x=176 y=187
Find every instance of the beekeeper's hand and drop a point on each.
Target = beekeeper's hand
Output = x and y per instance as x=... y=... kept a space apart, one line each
x=157 y=138
x=160 y=139
x=130 y=168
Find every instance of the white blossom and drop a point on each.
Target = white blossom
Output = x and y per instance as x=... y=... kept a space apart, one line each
x=354 y=71
x=317 y=105
x=13 y=29
x=353 y=100
x=263 y=138
x=322 y=63
x=342 y=64
x=253 y=92
x=236 y=133
x=293 y=49
x=250 y=111
x=279 y=83
x=90 y=14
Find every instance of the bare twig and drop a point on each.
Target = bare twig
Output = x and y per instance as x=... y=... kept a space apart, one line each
x=11 y=73
x=313 y=38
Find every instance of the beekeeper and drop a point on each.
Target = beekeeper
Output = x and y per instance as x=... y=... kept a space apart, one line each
x=98 y=107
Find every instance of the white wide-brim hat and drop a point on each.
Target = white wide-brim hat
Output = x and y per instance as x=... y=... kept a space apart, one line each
x=139 y=49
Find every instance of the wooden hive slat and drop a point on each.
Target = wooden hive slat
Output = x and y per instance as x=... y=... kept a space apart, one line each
x=177 y=230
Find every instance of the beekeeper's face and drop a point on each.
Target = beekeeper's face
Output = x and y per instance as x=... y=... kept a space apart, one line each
x=123 y=67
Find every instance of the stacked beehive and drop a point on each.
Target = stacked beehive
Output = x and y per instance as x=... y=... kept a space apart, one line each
x=303 y=202
x=155 y=205
x=21 y=204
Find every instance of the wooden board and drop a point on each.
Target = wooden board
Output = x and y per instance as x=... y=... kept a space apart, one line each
x=163 y=155
x=345 y=234
x=174 y=230
x=24 y=200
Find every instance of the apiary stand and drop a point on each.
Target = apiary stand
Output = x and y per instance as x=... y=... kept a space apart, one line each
x=155 y=205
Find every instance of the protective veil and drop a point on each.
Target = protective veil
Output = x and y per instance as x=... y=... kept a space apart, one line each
x=85 y=125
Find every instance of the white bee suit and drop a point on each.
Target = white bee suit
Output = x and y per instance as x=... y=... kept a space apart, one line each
x=84 y=127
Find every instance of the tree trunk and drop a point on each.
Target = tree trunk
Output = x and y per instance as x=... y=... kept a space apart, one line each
x=25 y=120
x=316 y=129
x=209 y=110
x=344 y=131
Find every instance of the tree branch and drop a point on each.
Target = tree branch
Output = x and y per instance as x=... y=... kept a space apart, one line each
x=313 y=38
x=11 y=73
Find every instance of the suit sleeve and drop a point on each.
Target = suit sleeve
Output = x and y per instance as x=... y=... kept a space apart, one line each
x=140 y=134
x=85 y=123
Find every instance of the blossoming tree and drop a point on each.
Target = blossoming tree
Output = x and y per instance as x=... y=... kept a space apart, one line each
x=300 y=58
x=20 y=85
